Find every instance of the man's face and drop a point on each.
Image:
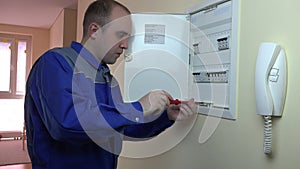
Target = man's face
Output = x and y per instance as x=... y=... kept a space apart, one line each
x=112 y=38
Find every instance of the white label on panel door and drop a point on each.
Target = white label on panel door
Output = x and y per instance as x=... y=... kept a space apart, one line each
x=154 y=34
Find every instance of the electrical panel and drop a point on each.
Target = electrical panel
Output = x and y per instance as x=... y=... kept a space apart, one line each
x=192 y=55
x=213 y=57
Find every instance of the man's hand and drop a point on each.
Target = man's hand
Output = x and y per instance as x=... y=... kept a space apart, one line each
x=155 y=102
x=182 y=111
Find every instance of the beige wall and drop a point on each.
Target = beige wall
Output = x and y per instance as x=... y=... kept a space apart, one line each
x=57 y=31
x=40 y=37
x=238 y=144
x=63 y=30
x=82 y=6
x=70 y=26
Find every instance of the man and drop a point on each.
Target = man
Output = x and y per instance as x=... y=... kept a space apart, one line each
x=74 y=113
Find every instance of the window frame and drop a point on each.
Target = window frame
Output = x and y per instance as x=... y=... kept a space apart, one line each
x=15 y=38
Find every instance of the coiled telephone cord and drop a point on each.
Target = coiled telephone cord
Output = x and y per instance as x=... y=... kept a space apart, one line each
x=268 y=134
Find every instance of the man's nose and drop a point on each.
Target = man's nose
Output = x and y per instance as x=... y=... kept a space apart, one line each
x=124 y=44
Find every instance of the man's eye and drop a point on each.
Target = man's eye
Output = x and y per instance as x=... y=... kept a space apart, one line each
x=122 y=34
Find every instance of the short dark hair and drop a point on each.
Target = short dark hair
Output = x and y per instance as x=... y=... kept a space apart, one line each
x=99 y=11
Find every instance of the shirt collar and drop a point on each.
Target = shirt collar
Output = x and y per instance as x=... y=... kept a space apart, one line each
x=88 y=56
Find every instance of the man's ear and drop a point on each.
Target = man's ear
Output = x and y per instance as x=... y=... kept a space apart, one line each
x=93 y=29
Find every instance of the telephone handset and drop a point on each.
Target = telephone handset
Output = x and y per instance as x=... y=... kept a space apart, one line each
x=270 y=86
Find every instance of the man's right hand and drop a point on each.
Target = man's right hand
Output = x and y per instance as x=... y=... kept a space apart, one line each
x=155 y=102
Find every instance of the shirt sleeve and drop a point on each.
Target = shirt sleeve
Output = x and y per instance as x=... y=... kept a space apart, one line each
x=148 y=130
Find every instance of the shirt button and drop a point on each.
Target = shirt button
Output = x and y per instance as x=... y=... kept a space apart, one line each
x=137 y=119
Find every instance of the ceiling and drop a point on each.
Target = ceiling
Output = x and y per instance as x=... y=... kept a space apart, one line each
x=33 y=13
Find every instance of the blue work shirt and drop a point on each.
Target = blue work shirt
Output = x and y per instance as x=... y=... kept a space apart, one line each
x=74 y=113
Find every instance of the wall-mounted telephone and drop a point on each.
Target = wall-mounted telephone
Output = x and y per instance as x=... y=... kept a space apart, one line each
x=270 y=86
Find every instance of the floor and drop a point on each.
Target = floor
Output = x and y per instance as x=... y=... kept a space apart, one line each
x=12 y=119
x=11 y=114
x=19 y=166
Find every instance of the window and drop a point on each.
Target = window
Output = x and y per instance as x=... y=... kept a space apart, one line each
x=15 y=62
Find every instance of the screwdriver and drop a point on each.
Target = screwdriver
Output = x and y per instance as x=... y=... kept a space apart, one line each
x=177 y=101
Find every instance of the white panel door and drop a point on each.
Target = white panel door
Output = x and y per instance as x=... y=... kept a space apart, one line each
x=158 y=57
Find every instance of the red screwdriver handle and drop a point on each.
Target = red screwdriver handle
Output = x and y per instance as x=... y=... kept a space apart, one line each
x=176 y=101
